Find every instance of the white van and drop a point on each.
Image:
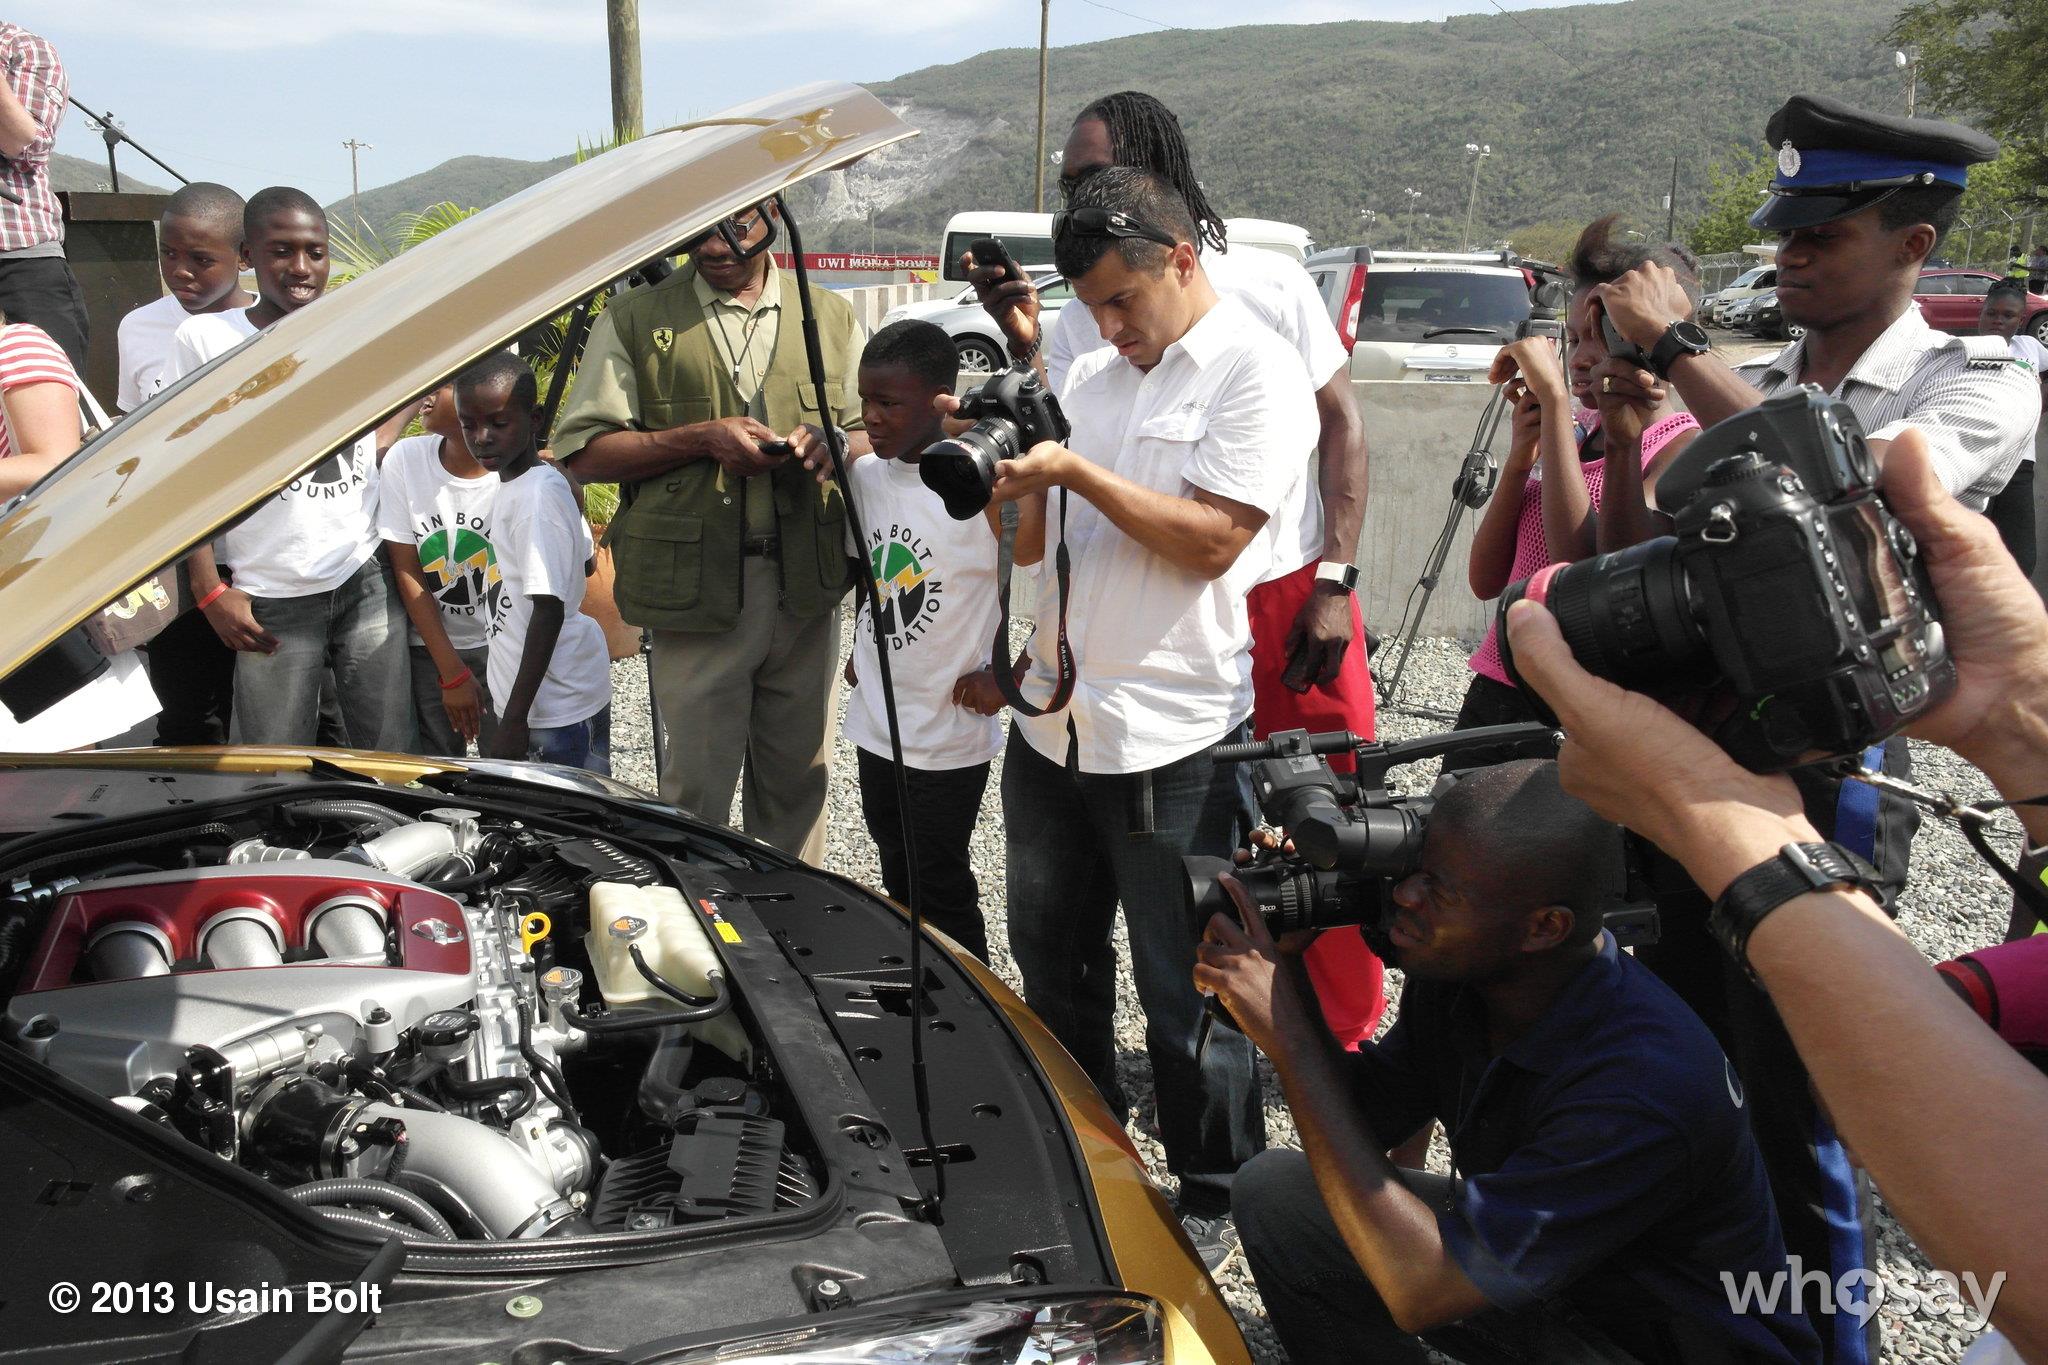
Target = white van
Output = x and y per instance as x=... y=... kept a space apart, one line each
x=1028 y=236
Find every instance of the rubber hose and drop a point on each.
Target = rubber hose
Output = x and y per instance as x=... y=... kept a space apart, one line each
x=169 y=836
x=721 y=1001
x=668 y=987
x=545 y=1071
x=369 y=1222
x=451 y=1205
x=493 y=1086
x=346 y=1190
x=359 y=812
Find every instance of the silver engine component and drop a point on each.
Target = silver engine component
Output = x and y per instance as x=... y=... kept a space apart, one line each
x=350 y=985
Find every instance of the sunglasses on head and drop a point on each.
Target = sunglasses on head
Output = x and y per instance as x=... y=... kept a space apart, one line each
x=1101 y=222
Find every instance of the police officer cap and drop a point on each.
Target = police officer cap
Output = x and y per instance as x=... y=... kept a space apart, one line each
x=1835 y=160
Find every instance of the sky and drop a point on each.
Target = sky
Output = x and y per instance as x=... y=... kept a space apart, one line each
x=253 y=94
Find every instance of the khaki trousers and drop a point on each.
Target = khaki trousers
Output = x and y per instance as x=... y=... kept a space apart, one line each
x=758 y=697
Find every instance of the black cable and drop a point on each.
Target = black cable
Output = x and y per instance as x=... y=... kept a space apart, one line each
x=919 y=1082
x=669 y=988
x=546 y=1074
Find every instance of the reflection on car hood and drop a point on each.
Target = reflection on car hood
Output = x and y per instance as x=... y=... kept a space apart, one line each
x=210 y=448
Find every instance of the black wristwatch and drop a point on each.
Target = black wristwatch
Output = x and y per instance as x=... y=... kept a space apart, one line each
x=1680 y=338
x=1798 y=869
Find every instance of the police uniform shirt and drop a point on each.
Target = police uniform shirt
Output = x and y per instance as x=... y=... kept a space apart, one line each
x=1976 y=408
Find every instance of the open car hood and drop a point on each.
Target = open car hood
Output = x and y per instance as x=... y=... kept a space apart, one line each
x=231 y=435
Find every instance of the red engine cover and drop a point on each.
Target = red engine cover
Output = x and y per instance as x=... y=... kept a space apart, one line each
x=432 y=937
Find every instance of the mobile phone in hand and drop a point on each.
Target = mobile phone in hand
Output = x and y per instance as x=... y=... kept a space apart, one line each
x=989 y=251
x=1619 y=346
x=776 y=449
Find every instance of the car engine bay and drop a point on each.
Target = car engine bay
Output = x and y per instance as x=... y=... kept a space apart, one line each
x=438 y=1023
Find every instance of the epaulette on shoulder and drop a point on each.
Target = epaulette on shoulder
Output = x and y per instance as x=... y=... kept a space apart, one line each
x=1987 y=352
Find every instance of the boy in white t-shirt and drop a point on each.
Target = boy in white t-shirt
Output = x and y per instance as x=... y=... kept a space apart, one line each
x=549 y=672
x=936 y=579
x=434 y=512
x=304 y=594
x=200 y=256
x=2012 y=511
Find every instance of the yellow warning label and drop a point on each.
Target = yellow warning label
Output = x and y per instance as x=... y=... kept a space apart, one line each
x=728 y=933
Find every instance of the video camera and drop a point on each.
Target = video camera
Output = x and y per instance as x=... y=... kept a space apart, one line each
x=1354 y=839
x=1012 y=412
x=1791 y=602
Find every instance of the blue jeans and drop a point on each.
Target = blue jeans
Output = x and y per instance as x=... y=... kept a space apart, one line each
x=1326 y=1312
x=586 y=744
x=1079 y=843
x=357 y=630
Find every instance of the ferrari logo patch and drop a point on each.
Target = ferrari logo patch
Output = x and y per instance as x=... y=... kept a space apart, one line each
x=664 y=337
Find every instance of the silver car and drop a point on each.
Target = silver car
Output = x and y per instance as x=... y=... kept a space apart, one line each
x=975 y=334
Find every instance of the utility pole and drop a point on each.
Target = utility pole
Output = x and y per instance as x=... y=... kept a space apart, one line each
x=1478 y=152
x=355 y=184
x=1414 y=199
x=1038 y=172
x=622 y=29
x=1671 y=204
x=1909 y=61
x=1369 y=217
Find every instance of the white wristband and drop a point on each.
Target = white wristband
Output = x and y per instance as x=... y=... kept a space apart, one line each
x=1332 y=571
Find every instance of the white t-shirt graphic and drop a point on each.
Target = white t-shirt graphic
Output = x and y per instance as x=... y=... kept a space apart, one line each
x=936 y=578
x=144 y=349
x=320 y=529
x=542 y=545
x=448 y=521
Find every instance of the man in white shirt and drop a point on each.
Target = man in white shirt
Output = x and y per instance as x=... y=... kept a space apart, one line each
x=1305 y=616
x=1186 y=441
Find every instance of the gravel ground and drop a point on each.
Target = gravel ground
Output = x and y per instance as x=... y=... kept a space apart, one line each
x=1955 y=904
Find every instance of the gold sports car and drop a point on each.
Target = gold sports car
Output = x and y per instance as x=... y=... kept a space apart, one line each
x=320 y=1055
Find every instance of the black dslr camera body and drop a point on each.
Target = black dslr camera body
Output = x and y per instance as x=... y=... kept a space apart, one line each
x=1012 y=412
x=1789 y=589
x=1355 y=840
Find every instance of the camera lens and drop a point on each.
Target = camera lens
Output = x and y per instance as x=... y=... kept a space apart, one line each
x=1629 y=617
x=962 y=469
x=1289 y=896
x=1380 y=841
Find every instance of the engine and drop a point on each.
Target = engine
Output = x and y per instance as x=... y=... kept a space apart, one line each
x=381 y=1012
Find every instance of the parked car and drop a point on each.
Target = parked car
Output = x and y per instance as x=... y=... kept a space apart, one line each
x=1951 y=301
x=649 y=1077
x=1739 y=313
x=1434 y=317
x=1766 y=319
x=1743 y=287
x=975 y=334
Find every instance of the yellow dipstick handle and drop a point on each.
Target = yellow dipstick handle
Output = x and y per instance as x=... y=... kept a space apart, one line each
x=532 y=930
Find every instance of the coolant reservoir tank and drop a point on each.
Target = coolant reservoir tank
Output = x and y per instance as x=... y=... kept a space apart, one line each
x=670 y=934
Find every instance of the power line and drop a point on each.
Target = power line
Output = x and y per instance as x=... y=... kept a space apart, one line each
x=1143 y=19
x=1537 y=36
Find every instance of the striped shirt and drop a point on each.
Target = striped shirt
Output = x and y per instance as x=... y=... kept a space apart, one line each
x=28 y=356
x=1976 y=408
x=38 y=81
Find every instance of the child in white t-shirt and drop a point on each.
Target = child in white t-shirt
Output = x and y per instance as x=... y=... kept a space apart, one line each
x=434 y=511
x=200 y=256
x=549 y=672
x=936 y=580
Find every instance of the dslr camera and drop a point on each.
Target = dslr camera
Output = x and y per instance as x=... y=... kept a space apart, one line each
x=1012 y=412
x=1354 y=839
x=1791 y=606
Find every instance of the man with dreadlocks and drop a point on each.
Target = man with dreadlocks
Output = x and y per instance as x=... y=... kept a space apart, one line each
x=1305 y=674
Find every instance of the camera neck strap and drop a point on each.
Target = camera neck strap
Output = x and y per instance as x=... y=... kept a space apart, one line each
x=1975 y=822
x=1000 y=661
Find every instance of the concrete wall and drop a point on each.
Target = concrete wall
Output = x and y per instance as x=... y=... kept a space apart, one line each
x=871 y=302
x=1418 y=435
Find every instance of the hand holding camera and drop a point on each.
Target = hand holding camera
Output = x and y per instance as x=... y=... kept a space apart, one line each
x=1642 y=303
x=742 y=446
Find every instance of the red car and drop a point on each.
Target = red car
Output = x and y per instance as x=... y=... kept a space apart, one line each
x=1951 y=299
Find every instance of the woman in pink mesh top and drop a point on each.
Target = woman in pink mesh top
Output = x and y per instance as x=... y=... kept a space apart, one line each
x=1574 y=438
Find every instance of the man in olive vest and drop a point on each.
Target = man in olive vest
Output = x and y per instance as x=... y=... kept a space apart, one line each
x=735 y=556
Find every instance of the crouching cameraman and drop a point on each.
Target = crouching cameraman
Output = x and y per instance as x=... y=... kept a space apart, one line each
x=1608 y=1177
x=1902 y=1065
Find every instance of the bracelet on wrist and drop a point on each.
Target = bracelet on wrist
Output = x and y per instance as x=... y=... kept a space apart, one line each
x=203 y=603
x=1028 y=353
x=458 y=680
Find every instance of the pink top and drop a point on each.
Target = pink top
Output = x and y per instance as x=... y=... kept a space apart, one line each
x=28 y=356
x=1532 y=549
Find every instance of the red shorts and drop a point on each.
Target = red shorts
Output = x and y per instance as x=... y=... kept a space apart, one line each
x=1348 y=978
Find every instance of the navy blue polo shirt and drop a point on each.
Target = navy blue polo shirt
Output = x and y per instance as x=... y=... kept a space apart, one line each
x=1605 y=1160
